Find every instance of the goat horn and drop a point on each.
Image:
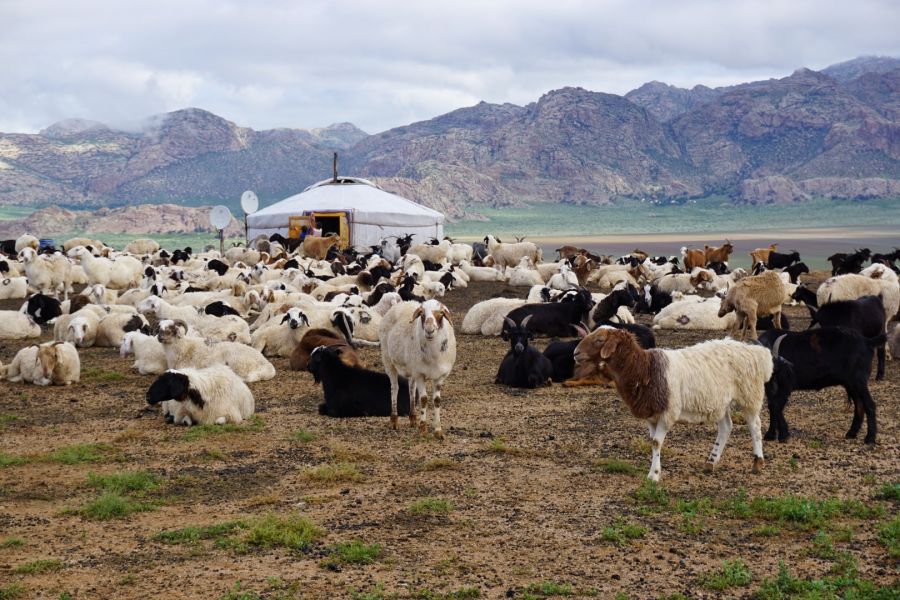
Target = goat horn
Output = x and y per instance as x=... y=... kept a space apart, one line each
x=509 y=322
x=525 y=321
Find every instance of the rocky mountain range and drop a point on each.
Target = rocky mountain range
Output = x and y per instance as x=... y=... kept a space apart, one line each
x=832 y=133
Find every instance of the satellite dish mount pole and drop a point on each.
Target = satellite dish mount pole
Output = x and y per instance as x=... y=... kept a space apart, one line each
x=335 y=168
x=222 y=242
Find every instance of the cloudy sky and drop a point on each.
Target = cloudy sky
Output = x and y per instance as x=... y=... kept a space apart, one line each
x=384 y=63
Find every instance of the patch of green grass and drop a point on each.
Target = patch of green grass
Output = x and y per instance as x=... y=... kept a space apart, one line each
x=80 y=453
x=303 y=435
x=13 y=542
x=822 y=546
x=889 y=491
x=889 y=535
x=334 y=473
x=9 y=460
x=292 y=531
x=733 y=573
x=767 y=531
x=253 y=424
x=617 y=467
x=111 y=506
x=466 y=593
x=549 y=589
x=192 y=535
x=809 y=512
x=652 y=496
x=430 y=506
x=65 y=596
x=94 y=374
x=843 y=585
x=621 y=532
x=126 y=482
x=439 y=464
x=36 y=567
x=375 y=593
x=693 y=514
x=498 y=445
x=12 y=591
x=236 y=593
x=354 y=552
x=793 y=464
x=6 y=419
x=214 y=454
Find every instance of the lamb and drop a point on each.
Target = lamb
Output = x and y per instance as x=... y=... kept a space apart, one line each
x=212 y=395
x=182 y=352
x=51 y=363
x=314 y=338
x=486 y=317
x=752 y=297
x=149 y=355
x=15 y=325
x=874 y=280
x=352 y=391
x=49 y=275
x=509 y=255
x=418 y=342
x=523 y=366
x=122 y=273
x=113 y=327
x=280 y=339
x=697 y=384
x=142 y=246
x=694 y=313
x=13 y=288
x=820 y=358
x=865 y=315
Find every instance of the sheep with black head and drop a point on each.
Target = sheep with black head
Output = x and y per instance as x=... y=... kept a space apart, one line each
x=214 y=395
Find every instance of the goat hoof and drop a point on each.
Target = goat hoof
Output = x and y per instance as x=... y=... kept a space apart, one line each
x=709 y=467
x=851 y=435
x=439 y=434
x=394 y=422
x=783 y=438
x=758 y=464
x=769 y=436
x=870 y=440
x=423 y=427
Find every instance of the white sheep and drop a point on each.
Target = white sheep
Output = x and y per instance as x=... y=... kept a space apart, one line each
x=280 y=337
x=149 y=356
x=493 y=311
x=418 y=342
x=27 y=241
x=481 y=273
x=698 y=384
x=113 y=327
x=13 y=288
x=142 y=246
x=122 y=273
x=874 y=280
x=80 y=328
x=459 y=253
x=694 y=313
x=49 y=275
x=509 y=255
x=51 y=363
x=15 y=325
x=183 y=352
x=565 y=279
x=435 y=253
x=212 y=395
x=524 y=274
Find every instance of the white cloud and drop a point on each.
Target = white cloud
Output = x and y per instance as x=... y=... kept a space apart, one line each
x=274 y=63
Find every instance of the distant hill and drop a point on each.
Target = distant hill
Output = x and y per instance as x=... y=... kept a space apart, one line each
x=830 y=133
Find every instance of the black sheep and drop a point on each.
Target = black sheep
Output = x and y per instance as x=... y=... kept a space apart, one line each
x=559 y=319
x=562 y=353
x=782 y=260
x=352 y=391
x=523 y=366
x=865 y=314
x=220 y=309
x=43 y=308
x=218 y=266
x=608 y=307
x=821 y=358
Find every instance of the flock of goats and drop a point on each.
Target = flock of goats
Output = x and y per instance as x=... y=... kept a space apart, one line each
x=205 y=323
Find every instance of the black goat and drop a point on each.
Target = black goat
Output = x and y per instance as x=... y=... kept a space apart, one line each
x=562 y=353
x=653 y=300
x=559 y=319
x=805 y=295
x=218 y=266
x=523 y=366
x=353 y=391
x=431 y=266
x=821 y=358
x=406 y=290
x=404 y=242
x=717 y=267
x=291 y=264
x=8 y=247
x=782 y=260
x=43 y=308
x=887 y=259
x=766 y=323
x=606 y=309
x=220 y=309
x=795 y=270
x=843 y=264
x=865 y=315
x=380 y=290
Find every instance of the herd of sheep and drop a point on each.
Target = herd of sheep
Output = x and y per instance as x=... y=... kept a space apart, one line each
x=207 y=323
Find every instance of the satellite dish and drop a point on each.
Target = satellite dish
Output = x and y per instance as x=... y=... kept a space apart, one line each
x=249 y=202
x=220 y=216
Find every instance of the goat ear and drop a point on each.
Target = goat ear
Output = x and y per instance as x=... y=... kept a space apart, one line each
x=416 y=314
x=609 y=347
x=195 y=397
x=446 y=314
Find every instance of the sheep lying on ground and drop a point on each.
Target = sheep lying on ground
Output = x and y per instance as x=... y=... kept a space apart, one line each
x=142 y=246
x=51 y=363
x=350 y=390
x=149 y=355
x=280 y=338
x=698 y=384
x=481 y=273
x=113 y=327
x=13 y=288
x=15 y=325
x=753 y=297
x=525 y=275
x=189 y=352
x=212 y=395
x=418 y=342
x=79 y=328
x=27 y=240
x=42 y=309
x=486 y=317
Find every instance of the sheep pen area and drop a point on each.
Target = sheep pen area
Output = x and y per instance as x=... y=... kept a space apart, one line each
x=531 y=494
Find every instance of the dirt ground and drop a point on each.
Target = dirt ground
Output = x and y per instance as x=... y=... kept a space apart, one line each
x=531 y=510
